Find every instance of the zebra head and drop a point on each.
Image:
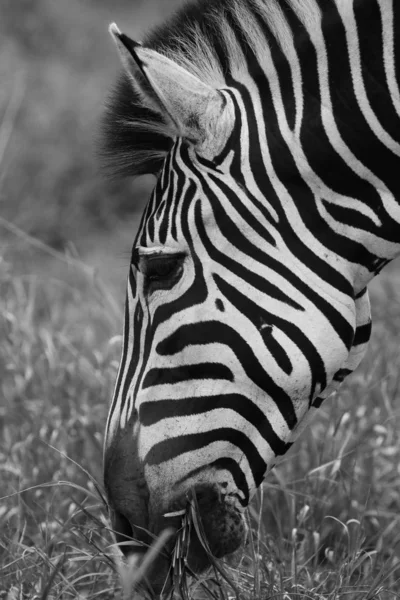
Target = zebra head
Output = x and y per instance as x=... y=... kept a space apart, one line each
x=246 y=301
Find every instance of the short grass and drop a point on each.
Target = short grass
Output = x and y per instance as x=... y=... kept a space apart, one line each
x=326 y=527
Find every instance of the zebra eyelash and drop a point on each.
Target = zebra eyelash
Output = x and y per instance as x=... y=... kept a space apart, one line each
x=140 y=252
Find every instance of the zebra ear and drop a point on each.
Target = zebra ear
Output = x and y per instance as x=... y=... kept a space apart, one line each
x=195 y=111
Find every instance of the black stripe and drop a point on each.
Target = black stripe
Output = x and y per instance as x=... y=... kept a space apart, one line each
x=283 y=70
x=253 y=312
x=178 y=180
x=352 y=217
x=342 y=327
x=230 y=230
x=176 y=446
x=214 y=332
x=362 y=293
x=363 y=333
x=136 y=324
x=341 y=374
x=137 y=328
x=122 y=361
x=353 y=126
x=228 y=464
x=164 y=195
x=155 y=411
x=236 y=167
x=197 y=293
x=370 y=32
x=206 y=370
x=288 y=173
x=243 y=211
x=317 y=402
x=260 y=319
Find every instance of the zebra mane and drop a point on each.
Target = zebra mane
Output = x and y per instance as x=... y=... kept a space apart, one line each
x=209 y=38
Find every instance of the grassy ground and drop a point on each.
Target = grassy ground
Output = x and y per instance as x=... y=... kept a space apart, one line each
x=329 y=526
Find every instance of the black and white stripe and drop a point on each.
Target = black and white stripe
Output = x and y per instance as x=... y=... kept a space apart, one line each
x=247 y=302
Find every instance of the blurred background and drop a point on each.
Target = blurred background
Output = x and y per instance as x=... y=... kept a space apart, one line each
x=57 y=65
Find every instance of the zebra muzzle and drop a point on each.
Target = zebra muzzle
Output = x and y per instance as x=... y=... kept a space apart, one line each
x=218 y=526
x=214 y=526
x=208 y=525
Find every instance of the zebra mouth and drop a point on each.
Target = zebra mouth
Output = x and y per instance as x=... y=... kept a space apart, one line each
x=222 y=525
x=211 y=527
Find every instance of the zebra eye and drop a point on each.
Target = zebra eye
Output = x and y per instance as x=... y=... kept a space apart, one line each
x=161 y=271
x=158 y=268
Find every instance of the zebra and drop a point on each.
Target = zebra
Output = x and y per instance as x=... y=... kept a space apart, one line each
x=272 y=128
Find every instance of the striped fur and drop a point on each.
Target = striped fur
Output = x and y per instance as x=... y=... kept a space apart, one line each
x=269 y=246
x=211 y=40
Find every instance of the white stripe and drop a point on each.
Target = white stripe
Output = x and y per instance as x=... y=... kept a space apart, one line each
x=346 y=10
x=386 y=7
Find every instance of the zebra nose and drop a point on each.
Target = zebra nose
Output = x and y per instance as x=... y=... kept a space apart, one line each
x=220 y=521
x=217 y=526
